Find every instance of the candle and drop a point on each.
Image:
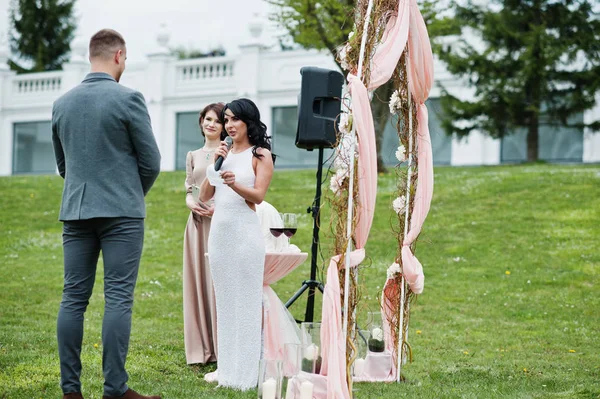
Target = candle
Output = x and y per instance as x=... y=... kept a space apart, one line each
x=359 y=367
x=311 y=352
x=377 y=334
x=269 y=387
x=306 y=390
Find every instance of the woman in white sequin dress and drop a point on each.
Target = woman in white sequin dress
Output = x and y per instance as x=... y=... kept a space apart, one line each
x=236 y=247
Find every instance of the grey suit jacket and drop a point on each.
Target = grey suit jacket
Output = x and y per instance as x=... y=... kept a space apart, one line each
x=105 y=150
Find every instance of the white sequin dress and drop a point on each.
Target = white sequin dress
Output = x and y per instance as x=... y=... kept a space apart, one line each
x=236 y=252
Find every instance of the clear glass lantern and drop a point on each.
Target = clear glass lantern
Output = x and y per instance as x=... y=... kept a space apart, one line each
x=311 y=347
x=270 y=378
x=376 y=341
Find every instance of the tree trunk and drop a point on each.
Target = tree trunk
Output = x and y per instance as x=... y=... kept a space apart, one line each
x=533 y=138
x=381 y=117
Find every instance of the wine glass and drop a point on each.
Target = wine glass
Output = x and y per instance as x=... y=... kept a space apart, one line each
x=290 y=224
x=277 y=226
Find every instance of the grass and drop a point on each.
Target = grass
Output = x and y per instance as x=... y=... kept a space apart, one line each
x=511 y=307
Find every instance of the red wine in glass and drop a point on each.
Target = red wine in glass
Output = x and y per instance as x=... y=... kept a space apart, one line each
x=277 y=231
x=289 y=231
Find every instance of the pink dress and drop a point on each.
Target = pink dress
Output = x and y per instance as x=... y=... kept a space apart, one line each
x=199 y=308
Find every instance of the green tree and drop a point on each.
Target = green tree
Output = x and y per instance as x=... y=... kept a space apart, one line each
x=325 y=24
x=41 y=33
x=538 y=61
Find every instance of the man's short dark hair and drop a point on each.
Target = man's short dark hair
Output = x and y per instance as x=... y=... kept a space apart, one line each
x=105 y=43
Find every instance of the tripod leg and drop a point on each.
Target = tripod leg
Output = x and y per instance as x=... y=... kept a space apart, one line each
x=296 y=295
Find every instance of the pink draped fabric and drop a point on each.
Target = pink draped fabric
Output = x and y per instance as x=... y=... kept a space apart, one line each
x=420 y=81
x=420 y=61
x=388 y=52
x=367 y=159
x=319 y=385
x=377 y=368
x=280 y=264
x=413 y=271
x=277 y=266
x=333 y=342
x=406 y=28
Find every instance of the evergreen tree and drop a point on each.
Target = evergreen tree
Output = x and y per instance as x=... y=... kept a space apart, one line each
x=538 y=61
x=41 y=34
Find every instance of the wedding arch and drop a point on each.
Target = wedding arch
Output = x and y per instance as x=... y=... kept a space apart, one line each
x=389 y=42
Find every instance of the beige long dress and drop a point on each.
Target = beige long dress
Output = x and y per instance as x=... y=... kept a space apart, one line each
x=199 y=308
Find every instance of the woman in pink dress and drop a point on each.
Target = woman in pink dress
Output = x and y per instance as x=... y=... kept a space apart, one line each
x=199 y=312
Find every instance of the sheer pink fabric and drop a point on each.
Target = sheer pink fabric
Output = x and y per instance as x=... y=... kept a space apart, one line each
x=394 y=41
x=377 y=368
x=333 y=342
x=413 y=271
x=319 y=385
x=405 y=28
x=279 y=325
x=420 y=61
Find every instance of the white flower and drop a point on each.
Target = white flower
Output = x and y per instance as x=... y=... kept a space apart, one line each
x=401 y=153
x=344 y=151
x=337 y=180
x=393 y=270
x=345 y=124
x=399 y=204
x=395 y=103
x=350 y=35
x=342 y=54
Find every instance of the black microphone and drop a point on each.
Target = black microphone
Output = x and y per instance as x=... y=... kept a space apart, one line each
x=220 y=159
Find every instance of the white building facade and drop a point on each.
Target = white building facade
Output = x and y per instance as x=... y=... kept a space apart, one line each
x=176 y=90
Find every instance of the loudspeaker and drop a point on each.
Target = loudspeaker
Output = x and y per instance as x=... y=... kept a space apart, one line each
x=319 y=105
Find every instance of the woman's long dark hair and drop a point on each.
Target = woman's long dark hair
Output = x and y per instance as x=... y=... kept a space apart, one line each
x=248 y=112
x=218 y=109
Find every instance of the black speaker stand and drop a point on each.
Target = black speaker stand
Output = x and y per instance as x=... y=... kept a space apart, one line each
x=312 y=283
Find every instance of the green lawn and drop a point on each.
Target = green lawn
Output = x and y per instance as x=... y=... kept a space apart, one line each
x=511 y=306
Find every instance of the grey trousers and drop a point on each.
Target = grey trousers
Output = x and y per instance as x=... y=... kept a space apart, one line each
x=121 y=241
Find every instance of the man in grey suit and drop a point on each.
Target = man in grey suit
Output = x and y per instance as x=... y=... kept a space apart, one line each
x=107 y=154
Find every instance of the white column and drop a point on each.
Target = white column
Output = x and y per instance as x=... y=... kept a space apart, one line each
x=78 y=65
x=155 y=89
x=247 y=63
x=6 y=130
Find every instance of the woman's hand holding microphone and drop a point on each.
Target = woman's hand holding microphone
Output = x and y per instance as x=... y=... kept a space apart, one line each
x=220 y=155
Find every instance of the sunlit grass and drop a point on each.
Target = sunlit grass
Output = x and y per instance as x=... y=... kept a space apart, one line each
x=511 y=306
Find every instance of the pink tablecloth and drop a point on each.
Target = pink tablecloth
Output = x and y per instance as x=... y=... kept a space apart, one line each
x=280 y=264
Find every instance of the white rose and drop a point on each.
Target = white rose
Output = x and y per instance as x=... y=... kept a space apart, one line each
x=399 y=204
x=393 y=270
x=345 y=124
x=337 y=180
x=401 y=153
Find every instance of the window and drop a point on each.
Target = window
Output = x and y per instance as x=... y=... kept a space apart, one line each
x=556 y=143
x=285 y=123
x=189 y=137
x=32 y=150
x=441 y=143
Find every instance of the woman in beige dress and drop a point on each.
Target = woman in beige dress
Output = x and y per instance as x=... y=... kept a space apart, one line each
x=199 y=312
